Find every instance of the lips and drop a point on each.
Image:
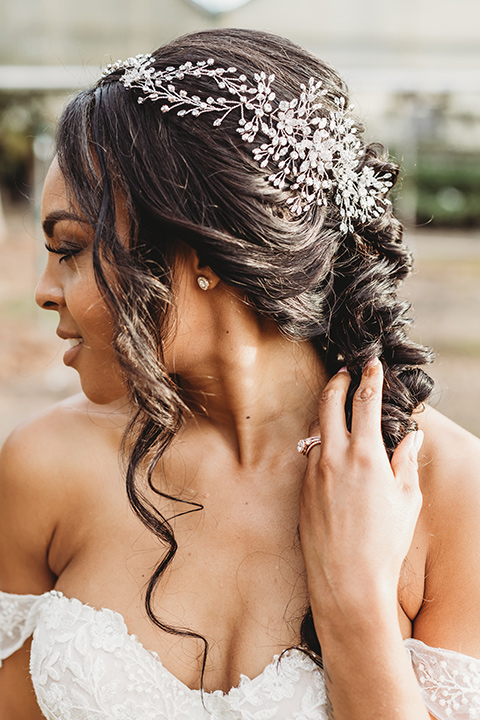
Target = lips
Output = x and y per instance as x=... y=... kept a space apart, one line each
x=74 y=349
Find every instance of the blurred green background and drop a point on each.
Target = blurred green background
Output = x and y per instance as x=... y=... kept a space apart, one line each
x=413 y=68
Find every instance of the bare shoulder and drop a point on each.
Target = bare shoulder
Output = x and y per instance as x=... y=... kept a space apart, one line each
x=41 y=466
x=29 y=447
x=37 y=453
x=449 y=467
x=41 y=446
x=449 y=461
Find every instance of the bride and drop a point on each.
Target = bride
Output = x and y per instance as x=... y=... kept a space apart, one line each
x=224 y=261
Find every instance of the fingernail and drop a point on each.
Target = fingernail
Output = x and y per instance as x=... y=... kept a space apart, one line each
x=418 y=439
x=371 y=366
x=342 y=369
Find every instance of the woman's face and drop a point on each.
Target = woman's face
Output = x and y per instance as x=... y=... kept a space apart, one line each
x=68 y=286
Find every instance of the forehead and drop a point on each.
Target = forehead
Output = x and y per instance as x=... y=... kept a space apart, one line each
x=57 y=206
x=54 y=191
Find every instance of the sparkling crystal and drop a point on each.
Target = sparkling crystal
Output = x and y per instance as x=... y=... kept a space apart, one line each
x=299 y=128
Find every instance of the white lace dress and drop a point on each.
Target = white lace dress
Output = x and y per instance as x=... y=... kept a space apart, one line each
x=86 y=666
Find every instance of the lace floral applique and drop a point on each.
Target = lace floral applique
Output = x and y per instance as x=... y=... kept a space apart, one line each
x=12 y=614
x=17 y=620
x=86 y=666
x=450 y=681
x=292 y=681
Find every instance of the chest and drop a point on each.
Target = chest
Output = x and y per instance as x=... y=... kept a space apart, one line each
x=236 y=580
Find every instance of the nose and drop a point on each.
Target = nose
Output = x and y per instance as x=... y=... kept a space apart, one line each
x=49 y=293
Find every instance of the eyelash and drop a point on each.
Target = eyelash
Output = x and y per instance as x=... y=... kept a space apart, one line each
x=65 y=254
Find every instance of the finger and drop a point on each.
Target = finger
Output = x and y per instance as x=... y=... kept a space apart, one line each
x=405 y=459
x=331 y=408
x=367 y=403
x=312 y=452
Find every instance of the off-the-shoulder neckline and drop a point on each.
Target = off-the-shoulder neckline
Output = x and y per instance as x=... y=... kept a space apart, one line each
x=285 y=657
x=293 y=654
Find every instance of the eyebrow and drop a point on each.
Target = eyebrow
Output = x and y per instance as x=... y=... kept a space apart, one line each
x=55 y=217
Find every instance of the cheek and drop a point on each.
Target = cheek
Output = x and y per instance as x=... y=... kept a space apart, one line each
x=99 y=324
x=93 y=315
x=100 y=374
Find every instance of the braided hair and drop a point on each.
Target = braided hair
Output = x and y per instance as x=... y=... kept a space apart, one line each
x=183 y=180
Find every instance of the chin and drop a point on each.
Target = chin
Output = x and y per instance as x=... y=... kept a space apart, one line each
x=103 y=394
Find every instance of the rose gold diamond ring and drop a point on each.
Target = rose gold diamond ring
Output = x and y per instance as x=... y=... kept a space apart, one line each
x=304 y=446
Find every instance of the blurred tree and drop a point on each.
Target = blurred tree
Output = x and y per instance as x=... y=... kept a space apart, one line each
x=22 y=117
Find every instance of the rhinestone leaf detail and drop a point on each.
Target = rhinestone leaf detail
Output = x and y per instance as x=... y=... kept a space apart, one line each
x=305 y=148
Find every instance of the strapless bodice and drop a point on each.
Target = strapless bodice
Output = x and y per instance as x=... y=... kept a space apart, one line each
x=86 y=666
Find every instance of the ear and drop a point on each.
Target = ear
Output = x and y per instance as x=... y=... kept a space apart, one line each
x=197 y=270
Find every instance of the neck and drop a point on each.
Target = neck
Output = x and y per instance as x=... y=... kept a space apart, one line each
x=256 y=388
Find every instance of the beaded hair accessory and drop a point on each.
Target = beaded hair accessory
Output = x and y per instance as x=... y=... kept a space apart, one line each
x=313 y=155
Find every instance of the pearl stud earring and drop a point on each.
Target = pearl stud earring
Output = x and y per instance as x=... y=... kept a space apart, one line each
x=203 y=282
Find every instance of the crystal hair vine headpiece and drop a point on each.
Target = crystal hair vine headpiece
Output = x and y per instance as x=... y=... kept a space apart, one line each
x=314 y=155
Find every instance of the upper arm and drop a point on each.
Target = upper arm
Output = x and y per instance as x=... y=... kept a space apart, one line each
x=450 y=614
x=17 y=696
x=28 y=511
x=29 y=505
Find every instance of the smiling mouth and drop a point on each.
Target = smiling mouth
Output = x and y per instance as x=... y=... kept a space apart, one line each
x=73 y=342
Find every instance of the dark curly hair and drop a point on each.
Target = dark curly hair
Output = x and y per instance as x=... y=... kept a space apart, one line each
x=184 y=180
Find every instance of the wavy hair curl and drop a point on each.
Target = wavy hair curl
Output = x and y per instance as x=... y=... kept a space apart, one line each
x=184 y=180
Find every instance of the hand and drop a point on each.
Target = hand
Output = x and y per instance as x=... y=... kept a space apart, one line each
x=358 y=510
